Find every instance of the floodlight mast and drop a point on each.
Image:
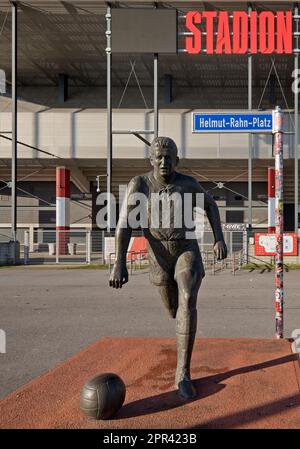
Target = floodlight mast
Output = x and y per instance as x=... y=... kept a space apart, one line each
x=14 y=62
x=109 y=114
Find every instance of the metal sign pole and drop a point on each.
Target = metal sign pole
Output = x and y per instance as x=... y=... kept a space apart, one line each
x=109 y=115
x=279 y=290
x=14 y=125
x=155 y=95
x=250 y=153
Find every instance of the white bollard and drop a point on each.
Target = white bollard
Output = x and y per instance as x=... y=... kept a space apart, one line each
x=26 y=247
x=31 y=239
x=57 y=246
x=88 y=246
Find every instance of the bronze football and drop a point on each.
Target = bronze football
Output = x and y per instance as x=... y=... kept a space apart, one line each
x=102 y=396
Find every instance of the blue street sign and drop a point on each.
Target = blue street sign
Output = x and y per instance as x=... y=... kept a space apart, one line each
x=242 y=122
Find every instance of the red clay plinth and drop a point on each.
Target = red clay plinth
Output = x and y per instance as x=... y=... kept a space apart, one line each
x=241 y=383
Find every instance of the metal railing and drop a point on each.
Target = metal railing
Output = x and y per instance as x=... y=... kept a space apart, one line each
x=132 y=258
x=233 y=262
x=85 y=246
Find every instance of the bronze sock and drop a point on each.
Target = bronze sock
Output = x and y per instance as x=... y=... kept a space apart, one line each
x=185 y=344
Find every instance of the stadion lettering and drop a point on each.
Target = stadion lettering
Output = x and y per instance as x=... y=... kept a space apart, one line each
x=268 y=32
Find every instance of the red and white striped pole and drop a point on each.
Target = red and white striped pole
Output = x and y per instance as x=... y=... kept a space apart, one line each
x=279 y=290
x=62 y=209
x=271 y=199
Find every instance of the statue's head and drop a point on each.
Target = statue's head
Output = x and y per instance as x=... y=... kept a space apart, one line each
x=163 y=157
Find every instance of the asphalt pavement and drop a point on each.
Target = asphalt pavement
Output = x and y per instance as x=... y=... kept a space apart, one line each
x=50 y=314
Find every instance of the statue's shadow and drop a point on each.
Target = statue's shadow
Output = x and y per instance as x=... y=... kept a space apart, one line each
x=205 y=386
x=167 y=401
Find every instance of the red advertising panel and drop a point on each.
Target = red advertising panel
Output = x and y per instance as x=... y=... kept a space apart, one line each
x=265 y=244
x=137 y=250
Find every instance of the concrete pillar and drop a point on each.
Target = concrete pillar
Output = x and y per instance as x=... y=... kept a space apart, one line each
x=63 y=81
x=168 y=88
x=62 y=209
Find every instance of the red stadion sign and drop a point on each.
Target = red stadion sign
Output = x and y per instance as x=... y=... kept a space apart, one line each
x=268 y=32
x=265 y=244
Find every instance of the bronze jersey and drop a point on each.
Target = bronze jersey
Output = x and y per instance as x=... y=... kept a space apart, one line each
x=172 y=219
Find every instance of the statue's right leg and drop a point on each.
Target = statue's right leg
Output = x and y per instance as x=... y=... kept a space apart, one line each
x=189 y=283
x=169 y=295
x=188 y=273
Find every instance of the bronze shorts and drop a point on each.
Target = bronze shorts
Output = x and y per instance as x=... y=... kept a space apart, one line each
x=164 y=254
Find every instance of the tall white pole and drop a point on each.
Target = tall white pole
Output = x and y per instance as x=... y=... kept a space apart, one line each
x=271 y=200
x=279 y=290
x=250 y=153
x=296 y=119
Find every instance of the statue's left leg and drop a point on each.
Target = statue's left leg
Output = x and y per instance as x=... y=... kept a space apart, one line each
x=189 y=280
x=169 y=295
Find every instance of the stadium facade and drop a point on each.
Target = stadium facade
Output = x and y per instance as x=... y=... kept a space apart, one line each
x=62 y=115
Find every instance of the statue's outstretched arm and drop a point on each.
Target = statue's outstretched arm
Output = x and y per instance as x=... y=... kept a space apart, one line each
x=119 y=275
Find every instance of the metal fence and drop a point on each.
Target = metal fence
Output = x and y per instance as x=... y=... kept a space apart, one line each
x=235 y=241
x=74 y=246
x=85 y=246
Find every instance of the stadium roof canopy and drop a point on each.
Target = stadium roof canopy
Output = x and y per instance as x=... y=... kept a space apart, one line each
x=69 y=37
